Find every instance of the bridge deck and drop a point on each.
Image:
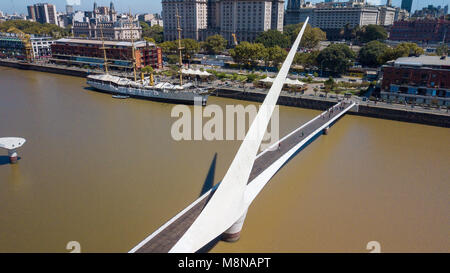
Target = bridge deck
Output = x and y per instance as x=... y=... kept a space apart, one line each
x=173 y=230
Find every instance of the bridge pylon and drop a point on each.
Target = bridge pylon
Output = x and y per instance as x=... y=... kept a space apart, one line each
x=234 y=232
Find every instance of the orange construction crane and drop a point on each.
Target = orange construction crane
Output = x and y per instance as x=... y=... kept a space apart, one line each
x=26 y=39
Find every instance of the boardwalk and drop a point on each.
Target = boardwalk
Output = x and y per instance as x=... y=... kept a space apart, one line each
x=165 y=238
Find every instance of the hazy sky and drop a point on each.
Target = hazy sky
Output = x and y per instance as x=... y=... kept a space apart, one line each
x=149 y=6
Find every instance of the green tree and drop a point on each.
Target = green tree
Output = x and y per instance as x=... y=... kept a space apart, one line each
x=369 y=33
x=442 y=50
x=215 y=44
x=275 y=55
x=248 y=54
x=370 y=53
x=336 y=58
x=35 y=28
x=155 y=32
x=306 y=59
x=311 y=37
x=330 y=85
x=347 y=32
x=402 y=50
x=190 y=47
x=272 y=38
x=150 y=40
x=169 y=47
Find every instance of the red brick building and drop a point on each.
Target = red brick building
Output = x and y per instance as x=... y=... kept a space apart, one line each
x=423 y=80
x=426 y=30
x=83 y=52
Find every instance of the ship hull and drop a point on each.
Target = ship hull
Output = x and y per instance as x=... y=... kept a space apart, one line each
x=177 y=97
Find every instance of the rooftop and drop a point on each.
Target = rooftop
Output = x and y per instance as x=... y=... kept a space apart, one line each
x=99 y=42
x=423 y=60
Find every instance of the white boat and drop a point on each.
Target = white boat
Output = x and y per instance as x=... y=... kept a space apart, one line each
x=120 y=97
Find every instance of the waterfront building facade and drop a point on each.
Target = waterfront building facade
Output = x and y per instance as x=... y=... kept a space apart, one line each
x=11 y=46
x=419 y=80
x=81 y=52
x=42 y=47
x=421 y=30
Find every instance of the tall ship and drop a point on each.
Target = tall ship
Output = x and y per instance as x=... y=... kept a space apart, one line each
x=148 y=87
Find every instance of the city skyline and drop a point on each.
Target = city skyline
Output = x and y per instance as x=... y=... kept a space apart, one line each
x=145 y=6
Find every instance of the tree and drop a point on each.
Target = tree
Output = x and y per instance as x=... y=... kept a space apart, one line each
x=169 y=47
x=347 y=32
x=248 y=54
x=275 y=55
x=402 y=50
x=35 y=28
x=155 y=32
x=336 y=58
x=329 y=84
x=442 y=50
x=370 y=53
x=150 y=40
x=306 y=59
x=311 y=36
x=190 y=47
x=272 y=38
x=369 y=33
x=215 y=44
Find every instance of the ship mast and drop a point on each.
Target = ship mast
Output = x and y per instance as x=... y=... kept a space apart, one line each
x=104 y=50
x=133 y=53
x=179 y=46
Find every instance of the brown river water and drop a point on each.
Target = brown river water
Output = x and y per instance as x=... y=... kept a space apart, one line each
x=106 y=173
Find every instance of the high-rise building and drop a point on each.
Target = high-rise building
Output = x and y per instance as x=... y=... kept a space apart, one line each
x=202 y=18
x=193 y=18
x=31 y=13
x=407 y=5
x=389 y=3
x=43 y=13
x=247 y=19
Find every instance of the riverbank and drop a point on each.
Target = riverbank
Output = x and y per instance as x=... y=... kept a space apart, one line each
x=368 y=109
x=390 y=112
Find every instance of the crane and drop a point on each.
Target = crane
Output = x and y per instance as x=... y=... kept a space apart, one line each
x=234 y=39
x=26 y=39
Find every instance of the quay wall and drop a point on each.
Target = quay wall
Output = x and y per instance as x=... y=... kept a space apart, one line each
x=41 y=68
x=433 y=119
x=309 y=103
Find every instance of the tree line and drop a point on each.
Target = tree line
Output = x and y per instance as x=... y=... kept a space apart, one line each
x=36 y=28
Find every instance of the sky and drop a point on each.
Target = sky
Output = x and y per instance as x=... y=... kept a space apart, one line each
x=151 y=6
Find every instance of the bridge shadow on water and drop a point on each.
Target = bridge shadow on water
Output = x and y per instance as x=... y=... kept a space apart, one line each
x=4 y=160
